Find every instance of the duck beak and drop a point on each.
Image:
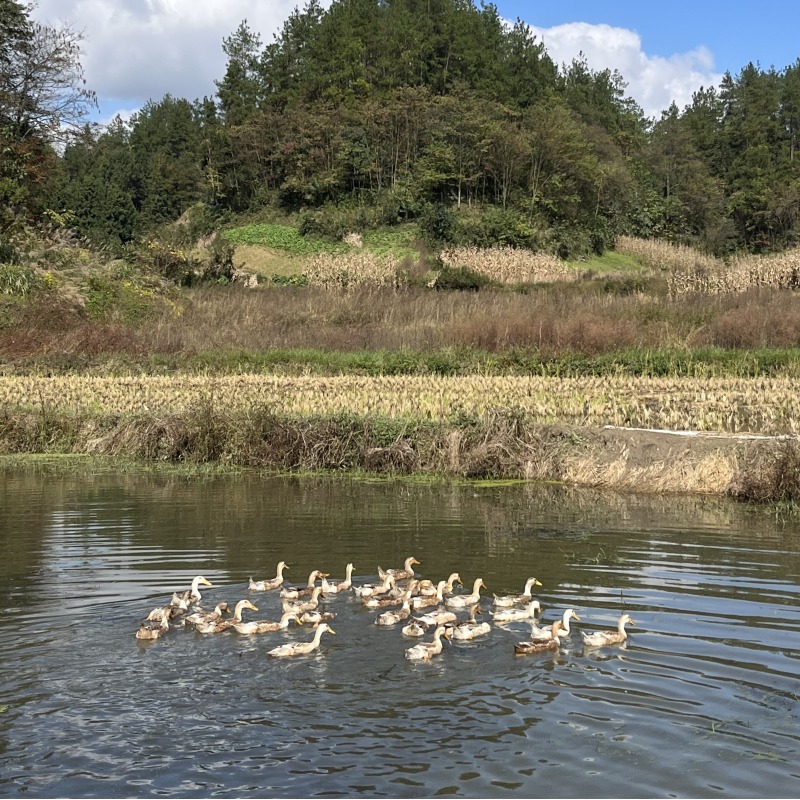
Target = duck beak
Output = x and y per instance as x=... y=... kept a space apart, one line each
x=537 y=583
x=631 y=622
x=331 y=630
x=575 y=616
x=206 y=583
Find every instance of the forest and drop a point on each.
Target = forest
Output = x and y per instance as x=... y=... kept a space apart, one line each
x=374 y=113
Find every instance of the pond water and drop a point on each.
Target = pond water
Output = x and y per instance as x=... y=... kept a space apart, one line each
x=703 y=700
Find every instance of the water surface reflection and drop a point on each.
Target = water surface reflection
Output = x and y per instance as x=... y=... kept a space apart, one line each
x=703 y=700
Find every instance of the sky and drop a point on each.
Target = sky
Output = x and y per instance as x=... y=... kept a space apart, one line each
x=140 y=50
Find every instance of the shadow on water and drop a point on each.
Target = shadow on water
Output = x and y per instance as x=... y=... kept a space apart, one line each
x=701 y=700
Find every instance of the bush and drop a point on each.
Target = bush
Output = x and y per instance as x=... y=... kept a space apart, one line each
x=460 y=279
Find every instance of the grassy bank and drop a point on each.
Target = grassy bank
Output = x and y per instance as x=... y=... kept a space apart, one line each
x=503 y=446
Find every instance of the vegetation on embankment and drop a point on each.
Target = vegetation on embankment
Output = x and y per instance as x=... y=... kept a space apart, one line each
x=503 y=445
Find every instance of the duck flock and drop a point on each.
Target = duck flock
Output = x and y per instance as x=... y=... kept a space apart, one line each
x=424 y=609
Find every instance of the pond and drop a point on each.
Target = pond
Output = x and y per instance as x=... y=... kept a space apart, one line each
x=703 y=700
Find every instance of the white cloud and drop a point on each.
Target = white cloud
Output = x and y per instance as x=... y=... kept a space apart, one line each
x=135 y=50
x=653 y=81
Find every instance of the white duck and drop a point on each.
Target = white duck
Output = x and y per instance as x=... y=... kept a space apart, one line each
x=299 y=606
x=369 y=589
x=264 y=626
x=471 y=628
x=431 y=600
x=393 y=617
x=419 y=626
x=207 y=616
x=464 y=600
x=302 y=591
x=545 y=632
x=192 y=596
x=424 y=651
x=341 y=586
x=301 y=648
x=221 y=625
x=602 y=638
x=269 y=583
x=515 y=614
x=509 y=600
x=407 y=570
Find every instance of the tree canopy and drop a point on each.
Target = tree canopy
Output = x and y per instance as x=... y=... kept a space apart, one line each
x=418 y=109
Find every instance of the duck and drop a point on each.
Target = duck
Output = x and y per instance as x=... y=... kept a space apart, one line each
x=341 y=586
x=464 y=600
x=543 y=633
x=154 y=628
x=192 y=596
x=368 y=589
x=428 y=588
x=471 y=628
x=425 y=651
x=264 y=626
x=221 y=625
x=269 y=583
x=169 y=610
x=415 y=627
x=391 y=598
x=602 y=638
x=315 y=617
x=509 y=600
x=407 y=570
x=419 y=626
x=393 y=617
x=300 y=606
x=515 y=614
x=553 y=643
x=207 y=616
x=301 y=648
x=431 y=600
x=302 y=591
x=178 y=603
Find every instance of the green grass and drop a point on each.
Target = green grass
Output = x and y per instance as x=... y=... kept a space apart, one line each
x=281 y=237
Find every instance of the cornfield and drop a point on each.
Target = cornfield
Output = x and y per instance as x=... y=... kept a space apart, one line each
x=509 y=264
x=767 y=406
x=692 y=272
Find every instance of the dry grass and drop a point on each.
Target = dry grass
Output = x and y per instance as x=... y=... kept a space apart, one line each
x=714 y=404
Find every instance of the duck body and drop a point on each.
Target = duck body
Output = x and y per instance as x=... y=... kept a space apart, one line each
x=370 y=589
x=510 y=600
x=300 y=606
x=425 y=651
x=393 y=617
x=315 y=617
x=220 y=625
x=341 y=586
x=207 y=616
x=152 y=629
x=544 y=633
x=464 y=600
x=471 y=628
x=264 y=626
x=401 y=574
x=270 y=583
x=553 y=643
x=515 y=614
x=603 y=638
x=296 y=593
x=431 y=600
x=301 y=648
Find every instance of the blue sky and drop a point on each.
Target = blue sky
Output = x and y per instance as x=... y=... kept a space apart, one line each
x=135 y=50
